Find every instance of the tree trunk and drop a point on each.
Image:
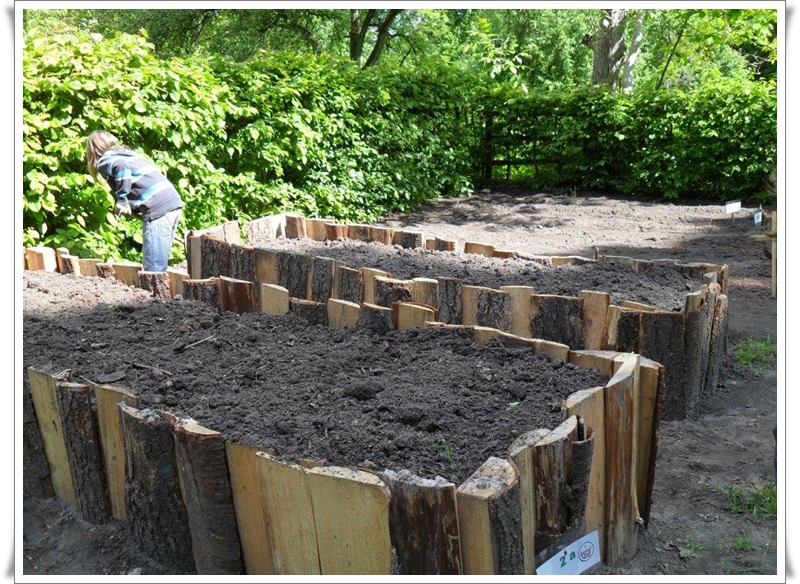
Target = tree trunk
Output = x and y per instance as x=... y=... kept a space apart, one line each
x=633 y=52
x=608 y=47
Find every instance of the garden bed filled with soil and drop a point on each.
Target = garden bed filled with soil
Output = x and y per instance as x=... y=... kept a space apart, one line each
x=660 y=286
x=431 y=401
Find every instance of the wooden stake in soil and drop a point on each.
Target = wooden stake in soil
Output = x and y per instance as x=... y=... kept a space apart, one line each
x=358 y=232
x=274 y=300
x=289 y=516
x=236 y=295
x=127 y=273
x=88 y=266
x=156 y=512
x=293 y=269
x=623 y=329
x=46 y=406
x=202 y=290
x=320 y=279
x=699 y=312
x=558 y=318
x=269 y=227
x=450 y=300
x=83 y=451
x=521 y=305
x=384 y=235
x=250 y=515
x=60 y=253
x=351 y=516
x=661 y=339
x=342 y=314
x=600 y=360
x=316 y=228
x=390 y=290
x=411 y=315
x=157 y=283
x=425 y=291
x=408 y=239
x=109 y=425
x=521 y=453
x=215 y=258
x=368 y=275
x=41 y=258
x=206 y=488
x=717 y=343
x=377 y=318
x=440 y=244
x=589 y=406
x=266 y=266
x=621 y=513
x=651 y=384
x=313 y=312
x=595 y=308
x=176 y=280
x=295 y=226
x=350 y=284
x=485 y=307
x=243 y=262
x=335 y=232
x=105 y=270
x=70 y=265
x=489 y=519
x=479 y=249
x=424 y=524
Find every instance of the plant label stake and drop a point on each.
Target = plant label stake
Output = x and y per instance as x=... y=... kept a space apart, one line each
x=574 y=559
x=732 y=206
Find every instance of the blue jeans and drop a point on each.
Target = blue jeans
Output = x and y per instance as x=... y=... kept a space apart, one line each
x=157 y=239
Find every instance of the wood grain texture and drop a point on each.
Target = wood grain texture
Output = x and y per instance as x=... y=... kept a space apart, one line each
x=48 y=415
x=351 y=517
x=109 y=423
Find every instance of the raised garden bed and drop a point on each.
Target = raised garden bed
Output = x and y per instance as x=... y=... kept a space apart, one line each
x=179 y=359
x=670 y=312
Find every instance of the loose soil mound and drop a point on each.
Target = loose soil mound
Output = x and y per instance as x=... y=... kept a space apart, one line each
x=660 y=286
x=431 y=401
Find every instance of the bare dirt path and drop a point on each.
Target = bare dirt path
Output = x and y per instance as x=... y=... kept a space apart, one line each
x=692 y=529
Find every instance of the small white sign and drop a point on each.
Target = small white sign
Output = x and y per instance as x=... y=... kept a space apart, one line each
x=757 y=218
x=733 y=206
x=574 y=559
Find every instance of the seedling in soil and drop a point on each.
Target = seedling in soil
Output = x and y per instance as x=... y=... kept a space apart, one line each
x=449 y=454
x=757 y=354
x=743 y=544
x=689 y=548
x=759 y=505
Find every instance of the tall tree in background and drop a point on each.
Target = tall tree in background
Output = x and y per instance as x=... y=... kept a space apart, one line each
x=359 y=27
x=608 y=48
x=633 y=51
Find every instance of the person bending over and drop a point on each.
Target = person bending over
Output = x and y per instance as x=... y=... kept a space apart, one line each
x=141 y=190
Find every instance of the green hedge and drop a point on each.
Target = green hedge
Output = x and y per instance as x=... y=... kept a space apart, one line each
x=718 y=141
x=284 y=132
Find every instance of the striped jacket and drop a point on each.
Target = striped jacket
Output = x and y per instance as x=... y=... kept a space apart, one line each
x=138 y=180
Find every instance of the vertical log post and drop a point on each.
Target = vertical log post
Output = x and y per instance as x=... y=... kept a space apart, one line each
x=589 y=406
x=369 y=275
x=425 y=291
x=313 y=312
x=289 y=516
x=521 y=453
x=595 y=307
x=384 y=235
x=109 y=424
x=342 y=314
x=351 y=517
x=46 y=406
x=450 y=300
x=485 y=307
x=478 y=248
x=274 y=300
x=60 y=253
x=236 y=295
x=83 y=451
x=410 y=315
x=156 y=511
x=489 y=520
x=203 y=291
x=320 y=279
x=127 y=272
x=424 y=524
x=651 y=383
x=558 y=318
x=662 y=340
x=621 y=523
x=408 y=239
x=249 y=506
x=41 y=258
x=316 y=228
x=379 y=319
x=350 y=284
x=203 y=474
x=293 y=269
x=699 y=312
x=295 y=226
x=390 y=290
x=521 y=306
x=157 y=283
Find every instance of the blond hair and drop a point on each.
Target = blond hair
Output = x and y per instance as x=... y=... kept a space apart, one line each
x=98 y=142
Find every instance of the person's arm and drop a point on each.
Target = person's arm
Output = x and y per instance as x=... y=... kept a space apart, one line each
x=120 y=185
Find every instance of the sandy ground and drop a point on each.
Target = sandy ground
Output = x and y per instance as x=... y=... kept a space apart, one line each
x=692 y=529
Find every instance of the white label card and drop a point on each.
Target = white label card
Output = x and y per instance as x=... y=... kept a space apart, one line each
x=576 y=558
x=757 y=217
x=733 y=206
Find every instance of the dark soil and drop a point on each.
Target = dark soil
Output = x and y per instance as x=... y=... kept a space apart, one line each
x=432 y=401
x=661 y=286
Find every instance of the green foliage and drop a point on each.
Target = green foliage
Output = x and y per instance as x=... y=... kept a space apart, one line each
x=743 y=544
x=756 y=353
x=718 y=141
x=283 y=132
x=758 y=505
